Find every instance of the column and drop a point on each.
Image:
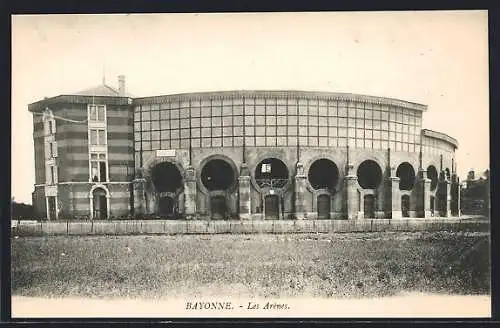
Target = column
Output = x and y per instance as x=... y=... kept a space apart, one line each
x=244 y=193
x=423 y=190
x=139 y=196
x=453 y=194
x=447 y=185
x=300 y=188
x=351 y=195
x=190 y=193
x=396 y=212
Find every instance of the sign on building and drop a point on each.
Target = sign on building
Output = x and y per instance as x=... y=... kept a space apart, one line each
x=165 y=153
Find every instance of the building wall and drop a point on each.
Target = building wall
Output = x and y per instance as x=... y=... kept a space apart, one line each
x=241 y=128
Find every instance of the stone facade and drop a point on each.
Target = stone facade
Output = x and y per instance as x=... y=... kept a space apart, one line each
x=256 y=134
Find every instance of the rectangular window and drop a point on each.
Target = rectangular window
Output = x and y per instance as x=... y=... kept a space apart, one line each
x=206 y=132
x=260 y=120
x=292 y=120
x=53 y=175
x=270 y=141
x=98 y=168
x=271 y=130
x=216 y=121
x=292 y=141
x=93 y=137
x=281 y=131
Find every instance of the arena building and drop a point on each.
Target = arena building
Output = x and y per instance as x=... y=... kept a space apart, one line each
x=102 y=154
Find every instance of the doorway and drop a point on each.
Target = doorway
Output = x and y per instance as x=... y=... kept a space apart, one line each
x=166 y=207
x=100 y=204
x=52 y=207
x=405 y=206
x=218 y=207
x=369 y=206
x=324 y=203
x=271 y=207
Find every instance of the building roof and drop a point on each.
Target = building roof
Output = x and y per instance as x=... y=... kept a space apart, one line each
x=440 y=136
x=101 y=90
x=281 y=94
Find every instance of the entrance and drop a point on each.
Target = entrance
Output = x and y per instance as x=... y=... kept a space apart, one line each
x=218 y=207
x=52 y=207
x=271 y=207
x=369 y=206
x=166 y=207
x=442 y=203
x=405 y=206
x=324 y=207
x=100 y=204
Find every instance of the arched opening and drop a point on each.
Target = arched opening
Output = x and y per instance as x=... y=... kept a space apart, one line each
x=166 y=207
x=271 y=173
x=218 y=207
x=323 y=174
x=406 y=175
x=166 y=177
x=432 y=174
x=100 y=204
x=369 y=206
x=405 y=206
x=369 y=175
x=324 y=203
x=218 y=175
x=271 y=207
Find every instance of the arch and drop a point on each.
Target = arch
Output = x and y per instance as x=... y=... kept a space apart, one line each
x=99 y=185
x=369 y=174
x=432 y=174
x=271 y=172
x=99 y=202
x=154 y=160
x=222 y=160
x=323 y=173
x=166 y=177
x=406 y=173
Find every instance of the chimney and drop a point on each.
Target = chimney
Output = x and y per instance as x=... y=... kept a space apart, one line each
x=121 y=85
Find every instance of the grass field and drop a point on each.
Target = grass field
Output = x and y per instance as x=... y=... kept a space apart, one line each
x=305 y=265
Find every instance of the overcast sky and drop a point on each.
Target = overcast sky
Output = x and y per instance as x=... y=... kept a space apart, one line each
x=435 y=58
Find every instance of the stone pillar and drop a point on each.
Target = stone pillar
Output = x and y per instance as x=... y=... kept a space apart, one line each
x=245 y=208
x=190 y=193
x=300 y=188
x=139 y=196
x=396 y=212
x=447 y=185
x=423 y=195
x=351 y=194
x=459 y=213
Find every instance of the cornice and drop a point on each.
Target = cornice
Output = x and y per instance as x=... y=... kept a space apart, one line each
x=78 y=99
x=280 y=94
x=440 y=136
